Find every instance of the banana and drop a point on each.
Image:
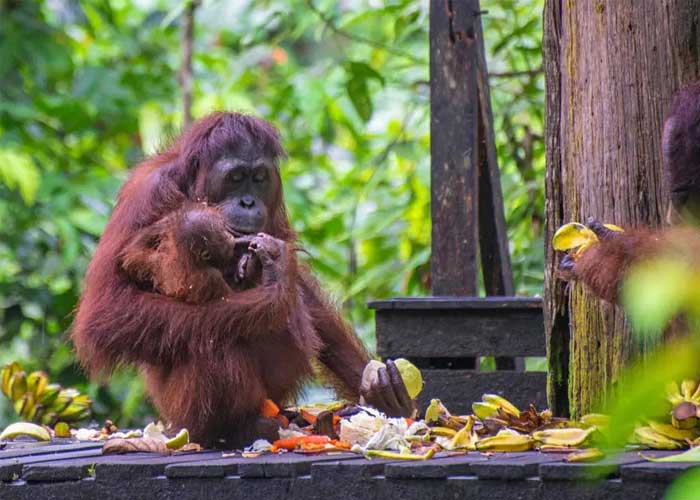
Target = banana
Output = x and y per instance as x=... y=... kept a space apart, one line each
x=49 y=418
x=505 y=442
x=38 y=412
x=62 y=430
x=50 y=394
x=596 y=419
x=688 y=387
x=695 y=398
x=25 y=429
x=465 y=438
x=77 y=407
x=588 y=455
x=434 y=411
x=7 y=372
x=655 y=440
x=18 y=385
x=501 y=403
x=484 y=410
x=25 y=406
x=673 y=393
x=442 y=431
x=64 y=399
x=673 y=433
x=182 y=438
x=37 y=382
x=563 y=437
x=392 y=455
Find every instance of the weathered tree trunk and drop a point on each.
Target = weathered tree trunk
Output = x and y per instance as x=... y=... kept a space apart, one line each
x=611 y=69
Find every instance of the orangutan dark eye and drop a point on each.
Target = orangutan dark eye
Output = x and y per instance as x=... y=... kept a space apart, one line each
x=260 y=176
x=235 y=176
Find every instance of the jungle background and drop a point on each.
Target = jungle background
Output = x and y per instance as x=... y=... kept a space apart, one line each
x=88 y=88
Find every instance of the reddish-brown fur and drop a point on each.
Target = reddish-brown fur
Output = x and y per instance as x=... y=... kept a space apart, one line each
x=210 y=353
x=603 y=266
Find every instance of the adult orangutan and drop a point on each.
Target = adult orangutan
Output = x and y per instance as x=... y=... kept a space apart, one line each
x=604 y=265
x=196 y=281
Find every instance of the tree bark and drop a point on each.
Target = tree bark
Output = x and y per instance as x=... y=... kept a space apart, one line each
x=611 y=68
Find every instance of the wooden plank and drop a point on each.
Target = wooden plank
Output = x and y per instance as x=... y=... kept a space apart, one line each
x=436 y=468
x=453 y=147
x=205 y=468
x=470 y=303
x=27 y=449
x=349 y=479
x=664 y=472
x=472 y=487
x=357 y=468
x=459 y=333
x=60 y=469
x=286 y=465
x=458 y=389
x=604 y=469
x=118 y=468
x=512 y=466
x=493 y=235
x=11 y=468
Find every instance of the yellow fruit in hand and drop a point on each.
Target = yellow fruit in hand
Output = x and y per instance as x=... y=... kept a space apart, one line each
x=411 y=375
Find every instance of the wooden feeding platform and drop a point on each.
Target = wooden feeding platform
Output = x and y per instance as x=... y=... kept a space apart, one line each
x=70 y=470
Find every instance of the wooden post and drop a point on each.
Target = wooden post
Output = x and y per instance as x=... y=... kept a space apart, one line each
x=493 y=237
x=453 y=147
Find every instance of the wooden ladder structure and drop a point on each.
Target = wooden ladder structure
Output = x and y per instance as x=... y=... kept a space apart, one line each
x=446 y=334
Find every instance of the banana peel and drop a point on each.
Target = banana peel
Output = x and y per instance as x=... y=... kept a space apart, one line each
x=484 y=410
x=434 y=411
x=392 y=455
x=501 y=403
x=505 y=442
x=653 y=439
x=563 y=437
x=595 y=419
x=465 y=438
x=588 y=455
x=27 y=429
x=672 y=432
x=576 y=237
x=181 y=439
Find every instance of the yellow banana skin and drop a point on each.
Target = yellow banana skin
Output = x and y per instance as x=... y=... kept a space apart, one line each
x=502 y=403
x=443 y=431
x=15 y=430
x=563 y=437
x=505 y=442
x=465 y=438
x=688 y=387
x=673 y=433
x=589 y=455
x=649 y=437
x=484 y=410
x=596 y=419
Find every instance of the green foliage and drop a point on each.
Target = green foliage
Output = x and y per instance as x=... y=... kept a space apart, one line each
x=89 y=87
